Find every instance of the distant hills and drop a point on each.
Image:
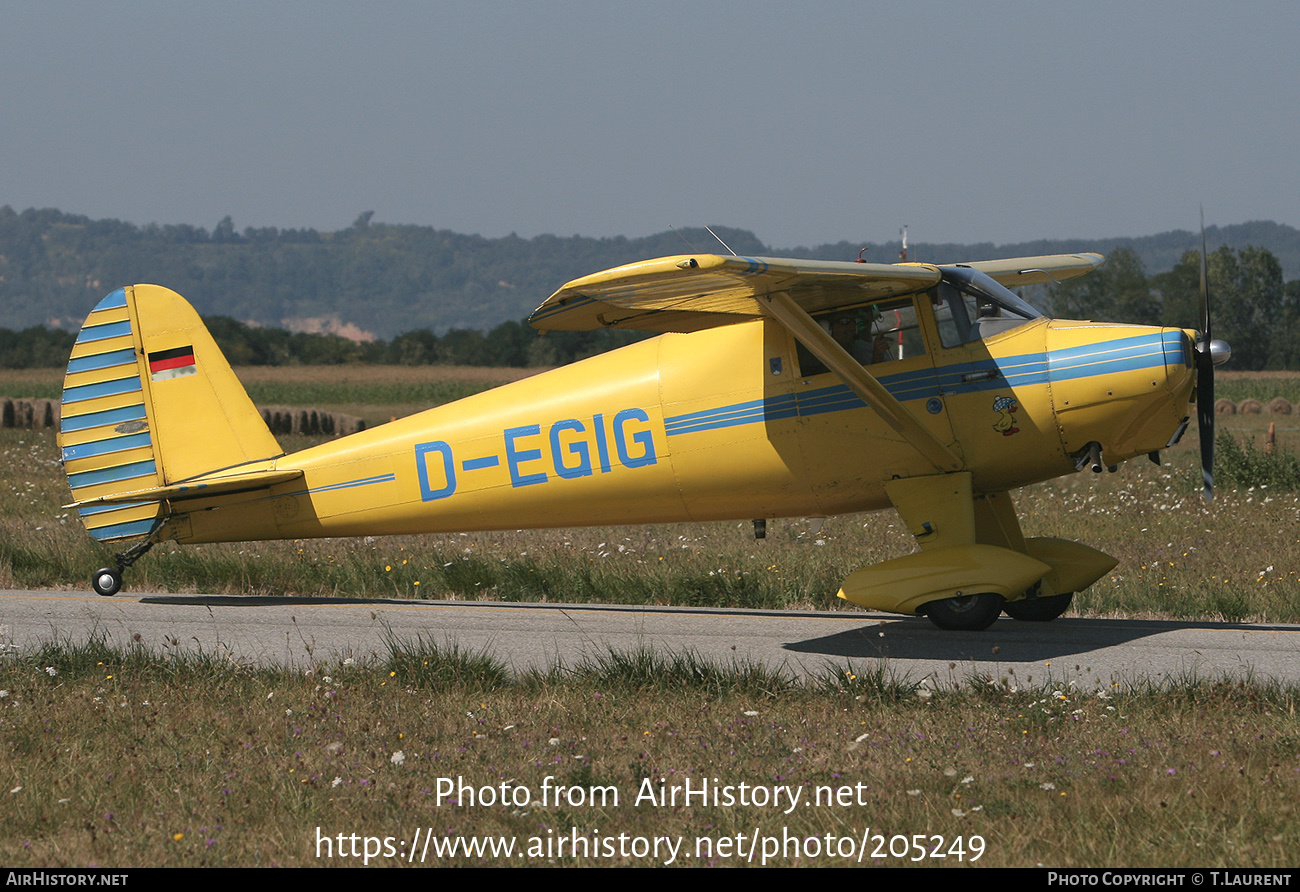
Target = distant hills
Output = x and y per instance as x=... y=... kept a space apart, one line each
x=381 y=279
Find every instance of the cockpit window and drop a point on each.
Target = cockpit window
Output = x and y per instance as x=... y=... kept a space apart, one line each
x=970 y=305
x=875 y=333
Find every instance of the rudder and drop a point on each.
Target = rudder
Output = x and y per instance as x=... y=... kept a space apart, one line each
x=149 y=400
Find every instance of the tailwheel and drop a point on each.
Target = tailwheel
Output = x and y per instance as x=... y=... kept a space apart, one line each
x=107 y=582
x=1039 y=610
x=965 y=613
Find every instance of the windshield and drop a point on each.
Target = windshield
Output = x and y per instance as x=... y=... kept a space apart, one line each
x=971 y=305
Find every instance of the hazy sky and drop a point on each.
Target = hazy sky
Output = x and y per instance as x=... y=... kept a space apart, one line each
x=806 y=123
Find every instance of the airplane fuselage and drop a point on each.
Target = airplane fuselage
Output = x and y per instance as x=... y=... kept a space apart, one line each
x=721 y=424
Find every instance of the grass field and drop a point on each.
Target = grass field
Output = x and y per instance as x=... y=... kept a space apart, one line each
x=143 y=757
x=138 y=759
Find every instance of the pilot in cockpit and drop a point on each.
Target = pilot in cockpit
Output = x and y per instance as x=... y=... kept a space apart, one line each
x=844 y=329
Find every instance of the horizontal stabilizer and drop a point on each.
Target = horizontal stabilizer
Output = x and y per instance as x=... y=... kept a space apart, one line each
x=196 y=489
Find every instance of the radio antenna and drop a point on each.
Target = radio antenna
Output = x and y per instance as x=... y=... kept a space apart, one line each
x=724 y=244
x=694 y=250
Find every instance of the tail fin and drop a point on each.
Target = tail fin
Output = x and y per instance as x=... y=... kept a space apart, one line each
x=149 y=401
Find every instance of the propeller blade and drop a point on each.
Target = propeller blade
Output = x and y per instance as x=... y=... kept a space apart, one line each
x=1205 y=416
x=1205 y=377
x=1205 y=287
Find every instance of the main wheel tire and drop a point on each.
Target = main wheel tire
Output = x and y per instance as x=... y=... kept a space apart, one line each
x=107 y=582
x=1039 y=610
x=965 y=613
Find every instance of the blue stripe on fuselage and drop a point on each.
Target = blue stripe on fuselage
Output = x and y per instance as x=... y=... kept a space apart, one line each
x=1122 y=355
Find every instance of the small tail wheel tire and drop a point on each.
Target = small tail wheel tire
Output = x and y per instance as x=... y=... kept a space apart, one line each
x=1039 y=610
x=965 y=613
x=107 y=582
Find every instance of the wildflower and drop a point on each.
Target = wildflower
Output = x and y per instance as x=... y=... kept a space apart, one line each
x=397 y=758
x=1047 y=785
x=913 y=792
x=751 y=712
x=51 y=671
x=337 y=780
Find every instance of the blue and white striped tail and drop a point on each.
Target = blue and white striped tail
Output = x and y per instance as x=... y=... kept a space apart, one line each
x=105 y=432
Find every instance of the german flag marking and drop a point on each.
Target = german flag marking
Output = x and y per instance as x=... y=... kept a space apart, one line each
x=175 y=363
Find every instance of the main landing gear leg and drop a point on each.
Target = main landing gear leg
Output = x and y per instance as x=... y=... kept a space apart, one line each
x=107 y=581
x=974 y=560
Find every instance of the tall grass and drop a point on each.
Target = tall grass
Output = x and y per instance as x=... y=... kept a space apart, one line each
x=1243 y=466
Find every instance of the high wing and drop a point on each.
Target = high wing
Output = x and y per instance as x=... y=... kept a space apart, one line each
x=694 y=291
x=1018 y=271
x=690 y=292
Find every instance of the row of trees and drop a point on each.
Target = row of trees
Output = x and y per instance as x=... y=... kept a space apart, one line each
x=1253 y=309
x=509 y=344
x=387 y=279
x=1250 y=306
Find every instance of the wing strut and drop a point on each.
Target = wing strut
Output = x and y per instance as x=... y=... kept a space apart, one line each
x=871 y=391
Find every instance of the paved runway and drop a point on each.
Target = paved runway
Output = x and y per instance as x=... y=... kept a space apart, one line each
x=301 y=631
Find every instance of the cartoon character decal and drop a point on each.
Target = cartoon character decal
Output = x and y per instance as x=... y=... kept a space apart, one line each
x=1006 y=423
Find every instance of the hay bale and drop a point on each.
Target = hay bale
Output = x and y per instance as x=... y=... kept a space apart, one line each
x=1225 y=407
x=348 y=424
x=29 y=414
x=1279 y=405
x=1250 y=407
x=293 y=420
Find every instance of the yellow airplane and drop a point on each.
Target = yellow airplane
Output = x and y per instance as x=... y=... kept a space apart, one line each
x=780 y=388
